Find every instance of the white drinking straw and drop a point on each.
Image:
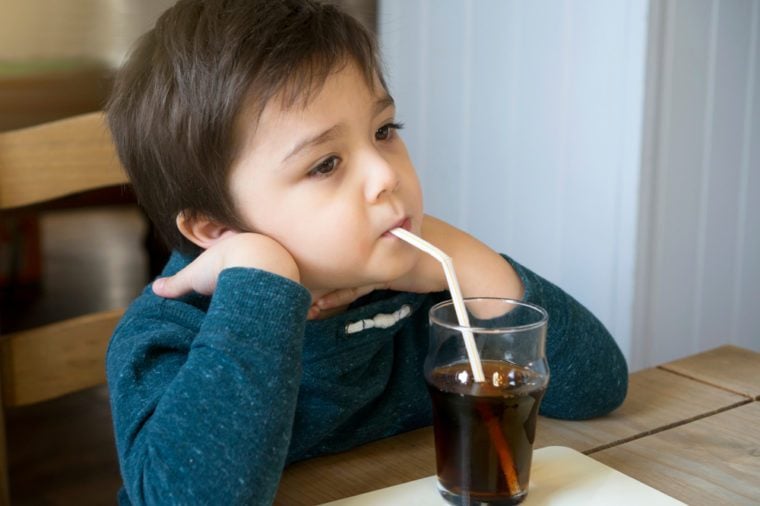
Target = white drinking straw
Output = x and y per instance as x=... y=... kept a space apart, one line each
x=456 y=296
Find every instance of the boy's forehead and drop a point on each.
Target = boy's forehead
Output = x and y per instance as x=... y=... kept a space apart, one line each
x=299 y=94
x=320 y=105
x=294 y=98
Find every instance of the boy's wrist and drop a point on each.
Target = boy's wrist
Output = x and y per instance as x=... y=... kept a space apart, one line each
x=481 y=271
x=488 y=274
x=260 y=252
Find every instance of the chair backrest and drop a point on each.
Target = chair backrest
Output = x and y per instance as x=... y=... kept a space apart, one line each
x=56 y=159
x=39 y=164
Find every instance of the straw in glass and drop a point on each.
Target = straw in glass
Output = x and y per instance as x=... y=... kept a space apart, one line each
x=456 y=296
x=495 y=432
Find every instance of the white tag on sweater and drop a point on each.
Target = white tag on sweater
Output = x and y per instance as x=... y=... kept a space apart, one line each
x=379 y=321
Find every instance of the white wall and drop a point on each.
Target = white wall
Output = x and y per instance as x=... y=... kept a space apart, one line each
x=524 y=120
x=699 y=258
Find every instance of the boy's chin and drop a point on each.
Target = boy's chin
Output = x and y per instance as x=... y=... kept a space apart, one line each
x=373 y=275
x=395 y=270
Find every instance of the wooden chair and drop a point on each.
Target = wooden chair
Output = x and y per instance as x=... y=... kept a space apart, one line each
x=40 y=164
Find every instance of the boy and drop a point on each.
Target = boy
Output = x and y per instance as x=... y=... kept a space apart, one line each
x=261 y=139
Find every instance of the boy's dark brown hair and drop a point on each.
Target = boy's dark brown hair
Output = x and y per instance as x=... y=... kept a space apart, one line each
x=177 y=101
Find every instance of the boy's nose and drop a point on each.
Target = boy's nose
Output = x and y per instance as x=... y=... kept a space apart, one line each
x=381 y=177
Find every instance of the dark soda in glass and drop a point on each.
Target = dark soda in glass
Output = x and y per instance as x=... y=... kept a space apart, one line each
x=484 y=432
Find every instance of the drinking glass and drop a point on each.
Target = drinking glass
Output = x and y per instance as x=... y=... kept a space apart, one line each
x=484 y=431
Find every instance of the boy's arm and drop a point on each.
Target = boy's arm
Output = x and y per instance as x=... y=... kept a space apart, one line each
x=589 y=375
x=203 y=404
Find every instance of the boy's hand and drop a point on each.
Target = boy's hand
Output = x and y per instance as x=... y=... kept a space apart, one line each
x=237 y=250
x=481 y=271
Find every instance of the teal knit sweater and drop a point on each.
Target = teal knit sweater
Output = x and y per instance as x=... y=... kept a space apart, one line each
x=213 y=396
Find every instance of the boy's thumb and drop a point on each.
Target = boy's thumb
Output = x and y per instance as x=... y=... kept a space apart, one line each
x=161 y=287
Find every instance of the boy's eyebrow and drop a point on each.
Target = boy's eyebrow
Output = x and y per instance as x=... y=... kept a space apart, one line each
x=381 y=104
x=315 y=140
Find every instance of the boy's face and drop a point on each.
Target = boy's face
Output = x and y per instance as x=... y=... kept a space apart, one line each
x=328 y=181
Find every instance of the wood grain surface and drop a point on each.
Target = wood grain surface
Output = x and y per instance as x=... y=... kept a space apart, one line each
x=728 y=367
x=715 y=460
x=656 y=400
x=380 y=464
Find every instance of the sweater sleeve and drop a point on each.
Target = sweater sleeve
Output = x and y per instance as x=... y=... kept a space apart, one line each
x=203 y=404
x=589 y=375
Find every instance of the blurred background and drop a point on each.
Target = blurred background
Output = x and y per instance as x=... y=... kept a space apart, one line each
x=613 y=146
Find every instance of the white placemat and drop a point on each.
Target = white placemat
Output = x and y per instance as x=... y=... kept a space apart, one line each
x=560 y=477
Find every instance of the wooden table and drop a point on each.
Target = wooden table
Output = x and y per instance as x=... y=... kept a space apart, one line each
x=690 y=428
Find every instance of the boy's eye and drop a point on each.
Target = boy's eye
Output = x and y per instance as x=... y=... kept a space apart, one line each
x=385 y=132
x=325 y=167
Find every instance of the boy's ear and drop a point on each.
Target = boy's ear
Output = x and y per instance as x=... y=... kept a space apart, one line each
x=201 y=230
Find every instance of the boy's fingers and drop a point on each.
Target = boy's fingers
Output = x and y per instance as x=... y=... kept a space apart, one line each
x=336 y=298
x=344 y=296
x=313 y=313
x=168 y=287
x=161 y=287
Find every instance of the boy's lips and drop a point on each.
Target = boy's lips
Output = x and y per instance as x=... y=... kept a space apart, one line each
x=405 y=223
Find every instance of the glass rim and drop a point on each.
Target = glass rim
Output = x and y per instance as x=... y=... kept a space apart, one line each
x=490 y=330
